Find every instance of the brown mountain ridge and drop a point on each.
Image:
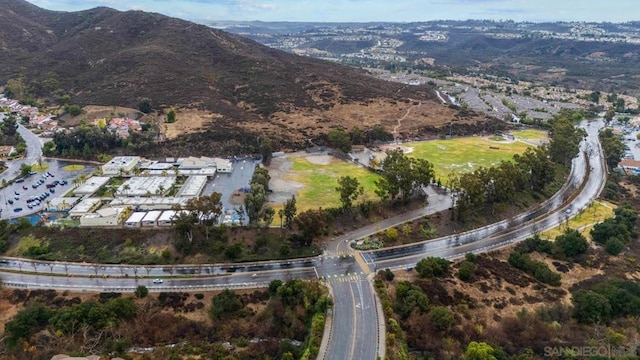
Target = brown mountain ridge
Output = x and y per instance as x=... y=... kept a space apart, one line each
x=239 y=88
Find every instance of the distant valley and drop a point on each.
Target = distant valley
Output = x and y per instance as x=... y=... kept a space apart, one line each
x=595 y=56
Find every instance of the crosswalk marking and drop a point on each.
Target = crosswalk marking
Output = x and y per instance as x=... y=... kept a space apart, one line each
x=341 y=278
x=336 y=254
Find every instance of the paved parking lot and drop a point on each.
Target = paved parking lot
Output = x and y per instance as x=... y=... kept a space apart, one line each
x=26 y=189
x=629 y=137
x=225 y=184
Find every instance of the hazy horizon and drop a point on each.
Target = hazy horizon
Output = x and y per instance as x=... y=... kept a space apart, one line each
x=367 y=10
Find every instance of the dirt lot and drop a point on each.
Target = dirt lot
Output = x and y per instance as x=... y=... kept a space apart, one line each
x=283 y=189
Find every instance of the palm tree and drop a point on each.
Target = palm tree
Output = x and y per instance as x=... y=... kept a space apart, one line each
x=126 y=188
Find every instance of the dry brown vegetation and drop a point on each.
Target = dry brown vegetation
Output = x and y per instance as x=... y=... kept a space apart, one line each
x=173 y=325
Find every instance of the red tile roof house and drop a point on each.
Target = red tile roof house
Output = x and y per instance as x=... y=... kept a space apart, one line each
x=630 y=166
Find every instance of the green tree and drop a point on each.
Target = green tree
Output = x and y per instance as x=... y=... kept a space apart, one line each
x=266 y=150
x=466 y=271
x=402 y=175
x=171 y=116
x=614 y=246
x=9 y=126
x=225 y=305
x=479 y=351
x=340 y=139
x=349 y=189
x=49 y=148
x=612 y=146
x=608 y=116
x=267 y=216
x=590 y=307
x=207 y=209
x=73 y=110
x=431 y=267
x=572 y=243
x=312 y=223
x=234 y=251
x=144 y=105
x=565 y=141
x=27 y=321
x=441 y=318
x=410 y=298
x=141 y=291
x=254 y=202
x=289 y=211
x=25 y=169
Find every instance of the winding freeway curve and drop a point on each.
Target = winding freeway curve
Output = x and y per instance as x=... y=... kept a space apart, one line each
x=357 y=330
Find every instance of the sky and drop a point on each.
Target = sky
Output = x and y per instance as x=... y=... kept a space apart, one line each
x=370 y=10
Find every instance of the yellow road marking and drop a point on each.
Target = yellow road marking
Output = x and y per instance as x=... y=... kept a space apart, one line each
x=360 y=261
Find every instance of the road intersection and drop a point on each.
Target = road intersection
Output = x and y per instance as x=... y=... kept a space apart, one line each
x=357 y=322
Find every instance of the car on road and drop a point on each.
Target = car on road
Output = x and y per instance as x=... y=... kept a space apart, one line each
x=158 y=281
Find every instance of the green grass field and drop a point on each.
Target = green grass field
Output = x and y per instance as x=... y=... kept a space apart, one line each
x=74 y=167
x=320 y=182
x=584 y=221
x=459 y=155
x=531 y=134
x=464 y=154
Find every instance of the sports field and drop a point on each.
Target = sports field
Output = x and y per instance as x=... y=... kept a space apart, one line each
x=313 y=178
x=464 y=154
x=530 y=134
x=319 y=181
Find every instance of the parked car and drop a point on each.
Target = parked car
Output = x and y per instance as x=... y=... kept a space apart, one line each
x=19 y=180
x=18 y=209
x=52 y=190
x=24 y=187
x=10 y=201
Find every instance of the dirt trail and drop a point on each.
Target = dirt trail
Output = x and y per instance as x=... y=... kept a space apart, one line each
x=395 y=128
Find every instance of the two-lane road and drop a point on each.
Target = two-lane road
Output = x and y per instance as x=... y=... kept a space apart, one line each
x=355 y=332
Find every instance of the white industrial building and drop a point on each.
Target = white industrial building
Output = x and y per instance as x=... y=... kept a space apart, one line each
x=223 y=165
x=91 y=185
x=151 y=218
x=166 y=218
x=151 y=203
x=120 y=165
x=193 y=186
x=83 y=207
x=61 y=203
x=108 y=216
x=193 y=162
x=135 y=219
x=146 y=186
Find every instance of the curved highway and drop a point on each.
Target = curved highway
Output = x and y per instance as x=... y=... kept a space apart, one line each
x=357 y=327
